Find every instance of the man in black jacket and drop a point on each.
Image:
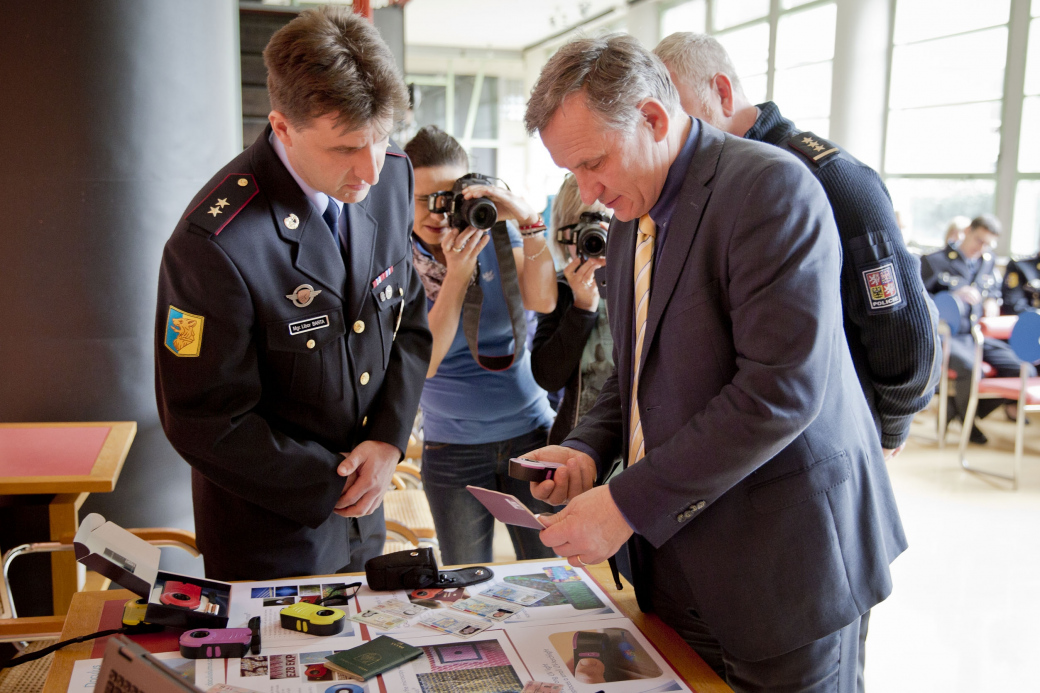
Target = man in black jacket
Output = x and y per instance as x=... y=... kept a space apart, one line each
x=291 y=335
x=1021 y=288
x=890 y=322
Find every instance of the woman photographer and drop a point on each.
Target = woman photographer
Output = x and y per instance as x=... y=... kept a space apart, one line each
x=572 y=347
x=475 y=419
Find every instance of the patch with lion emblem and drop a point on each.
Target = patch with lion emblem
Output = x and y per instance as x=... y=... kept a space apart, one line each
x=183 y=332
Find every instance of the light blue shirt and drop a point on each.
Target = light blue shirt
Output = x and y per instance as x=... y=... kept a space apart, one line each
x=319 y=200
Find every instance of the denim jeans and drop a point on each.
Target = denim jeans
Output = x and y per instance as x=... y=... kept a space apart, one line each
x=465 y=529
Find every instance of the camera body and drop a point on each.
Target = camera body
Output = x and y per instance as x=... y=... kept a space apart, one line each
x=588 y=235
x=312 y=618
x=221 y=643
x=480 y=212
x=182 y=594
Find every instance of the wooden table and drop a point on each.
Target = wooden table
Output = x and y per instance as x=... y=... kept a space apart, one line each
x=68 y=461
x=85 y=614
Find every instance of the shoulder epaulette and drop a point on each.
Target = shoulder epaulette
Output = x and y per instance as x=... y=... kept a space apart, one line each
x=813 y=147
x=395 y=150
x=224 y=202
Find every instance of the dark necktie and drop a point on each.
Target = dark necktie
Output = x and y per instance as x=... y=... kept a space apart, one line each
x=331 y=217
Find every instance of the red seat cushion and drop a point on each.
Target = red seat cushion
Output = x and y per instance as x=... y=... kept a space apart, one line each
x=1009 y=388
x=988 y=371
x=998 y=327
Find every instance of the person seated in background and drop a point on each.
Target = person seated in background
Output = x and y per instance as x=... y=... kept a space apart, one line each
x=966 y=271
x=572 y=347
x=955 y=231
x=476 y=418
x=890 y=324
x=1021 y=288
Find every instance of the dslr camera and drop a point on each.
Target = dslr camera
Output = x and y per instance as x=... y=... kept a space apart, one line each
x=480 y=212
x=588 y=236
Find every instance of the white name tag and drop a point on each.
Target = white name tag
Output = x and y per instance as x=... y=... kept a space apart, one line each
x=301 y=326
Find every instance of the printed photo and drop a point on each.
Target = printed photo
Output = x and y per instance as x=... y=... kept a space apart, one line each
x=604 y=655
x=435 y=598
x=287 y=591
x=261 y=592
x=284 y=666
x=472 y=667
x=253 y=666
x=345 y=688
x=280 y=601
x=310 y=589
x=575 y=593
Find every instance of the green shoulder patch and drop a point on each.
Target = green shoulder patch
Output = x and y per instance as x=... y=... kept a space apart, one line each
x=813 y=147
x=224 y=202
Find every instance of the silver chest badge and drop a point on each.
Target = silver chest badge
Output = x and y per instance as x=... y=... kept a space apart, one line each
x=291 y=222
x=303 y=295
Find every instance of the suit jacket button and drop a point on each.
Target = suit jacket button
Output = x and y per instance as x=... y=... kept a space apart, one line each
x=359 y=326
x=364 y=378
x=310 y=343
x=680 y=517
x=700 y=504
x=364 y=421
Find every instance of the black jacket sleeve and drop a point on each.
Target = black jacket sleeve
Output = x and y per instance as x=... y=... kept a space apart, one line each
x=897 y=355
x=560 y=340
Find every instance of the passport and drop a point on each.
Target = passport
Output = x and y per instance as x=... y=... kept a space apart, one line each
x=373 y=658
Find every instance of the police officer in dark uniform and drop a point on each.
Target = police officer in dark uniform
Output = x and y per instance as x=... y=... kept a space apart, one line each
x=966 y=270
x=1021 y=288
x=291 y=335
x=890 y=323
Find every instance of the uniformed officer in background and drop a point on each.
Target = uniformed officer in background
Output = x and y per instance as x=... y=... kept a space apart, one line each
x=1021 y=288
x=291 y=335
x=890 y=323
x=966 y=271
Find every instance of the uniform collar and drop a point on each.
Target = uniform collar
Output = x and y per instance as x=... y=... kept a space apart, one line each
x=318 y=199
x=771 y=127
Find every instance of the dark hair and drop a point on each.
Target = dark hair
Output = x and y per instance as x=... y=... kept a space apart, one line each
x=329 y=60
x=431 y=146
x=987 y=222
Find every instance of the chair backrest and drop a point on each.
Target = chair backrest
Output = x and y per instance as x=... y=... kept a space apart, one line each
x=949 y=310
x=1025 y=337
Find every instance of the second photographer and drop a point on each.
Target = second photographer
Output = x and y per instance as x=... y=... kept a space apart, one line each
x=481 y=404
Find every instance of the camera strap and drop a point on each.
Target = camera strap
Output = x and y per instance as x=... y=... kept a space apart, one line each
x=511 y=289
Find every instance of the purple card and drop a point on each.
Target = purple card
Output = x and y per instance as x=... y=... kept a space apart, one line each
x=508 y=509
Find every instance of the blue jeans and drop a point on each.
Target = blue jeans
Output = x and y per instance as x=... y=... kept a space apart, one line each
x=465 y=529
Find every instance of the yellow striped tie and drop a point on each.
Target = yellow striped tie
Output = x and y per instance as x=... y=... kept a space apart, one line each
x=643 y=267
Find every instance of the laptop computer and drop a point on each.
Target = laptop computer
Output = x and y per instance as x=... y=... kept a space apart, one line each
x=129 y=668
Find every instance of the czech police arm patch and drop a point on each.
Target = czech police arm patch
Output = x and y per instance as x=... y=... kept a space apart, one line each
x=183 y=332
x=882 y=286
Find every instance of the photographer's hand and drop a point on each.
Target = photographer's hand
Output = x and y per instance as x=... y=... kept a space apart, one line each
x=582 y=280
x=461 y=249
x=509 y=204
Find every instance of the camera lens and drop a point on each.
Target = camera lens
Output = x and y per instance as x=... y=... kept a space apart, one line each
x=592 y=241
x=180 y=597
x=480 y=213
x=199 y=633
x=325 y=612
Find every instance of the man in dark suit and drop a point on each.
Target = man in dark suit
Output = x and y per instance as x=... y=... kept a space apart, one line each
x=1021 y=288
x=291 y=336
x=755 y=506
x=966 y=271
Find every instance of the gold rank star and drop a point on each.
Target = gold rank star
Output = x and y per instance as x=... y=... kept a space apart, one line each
x=818 y=147
x=222 y=202
x=806 y=140
x=214 y=211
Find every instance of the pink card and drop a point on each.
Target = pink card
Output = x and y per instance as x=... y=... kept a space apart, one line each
x=506 y=508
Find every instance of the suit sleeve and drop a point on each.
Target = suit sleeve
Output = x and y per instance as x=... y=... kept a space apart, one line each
x=787 y=335
x=394 y=412
x=208 y=403
x=900 y=342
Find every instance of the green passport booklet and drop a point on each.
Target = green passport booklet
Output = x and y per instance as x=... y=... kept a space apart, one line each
x=373 y=658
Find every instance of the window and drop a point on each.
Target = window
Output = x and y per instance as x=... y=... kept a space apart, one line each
x=945 y=103
x=466 y=107
x=730 y=13
x=749 y=49
x=802 y=81
x=1025 y=238
x=687 y=16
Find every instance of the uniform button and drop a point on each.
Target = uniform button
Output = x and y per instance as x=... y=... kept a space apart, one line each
x=680 y=517
x=359 y=326
x=700 y=504
x=364 y=421
x=401 y=289
x=310 y=343
x=364 y=378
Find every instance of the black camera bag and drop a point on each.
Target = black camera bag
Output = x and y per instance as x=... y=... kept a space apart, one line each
x=414 y=569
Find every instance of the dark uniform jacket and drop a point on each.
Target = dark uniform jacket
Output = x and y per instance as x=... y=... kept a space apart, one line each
x=763 y=472
x=1021 y=288
x=890 y=322
x=261 y=395
x=948 y=270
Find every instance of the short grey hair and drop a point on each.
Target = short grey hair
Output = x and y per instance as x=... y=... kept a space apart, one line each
x=696 y=59
x=614 y=72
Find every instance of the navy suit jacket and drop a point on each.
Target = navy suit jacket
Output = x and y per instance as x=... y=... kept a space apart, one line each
x=278 y=391
x=762 y=460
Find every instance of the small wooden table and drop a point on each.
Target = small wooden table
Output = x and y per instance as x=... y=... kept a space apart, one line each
x=85 y=615
x=70 y=461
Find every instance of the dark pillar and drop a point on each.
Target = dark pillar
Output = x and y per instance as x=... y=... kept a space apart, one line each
x=115 y=112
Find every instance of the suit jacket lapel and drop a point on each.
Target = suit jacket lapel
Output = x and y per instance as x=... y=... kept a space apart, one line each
x=317 y=254
x=670 y=257
x=362 y=228
x=621 y=250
